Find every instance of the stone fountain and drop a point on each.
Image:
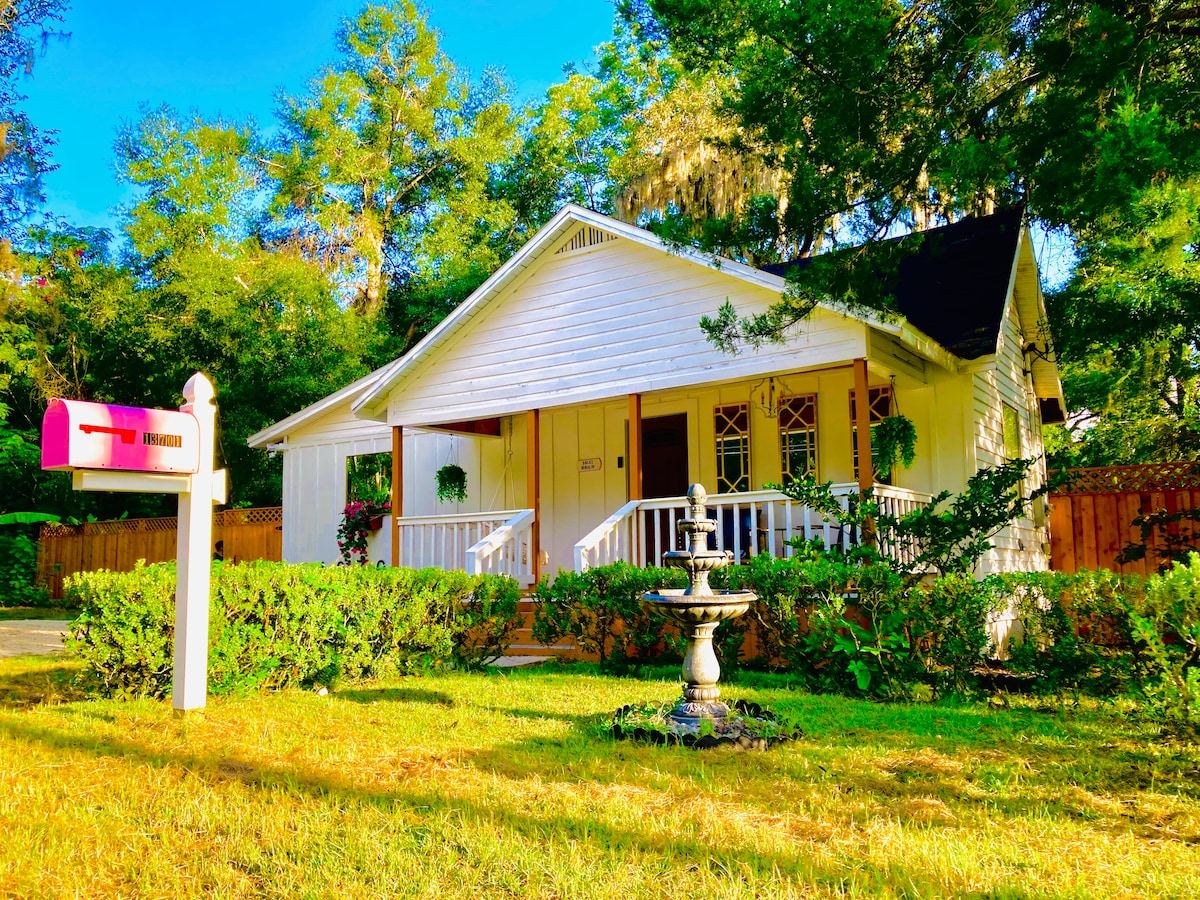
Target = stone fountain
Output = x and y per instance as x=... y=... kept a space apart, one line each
x=699 y=610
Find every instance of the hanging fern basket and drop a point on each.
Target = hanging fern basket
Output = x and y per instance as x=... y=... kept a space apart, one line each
x=451 y=484
x=895 y=439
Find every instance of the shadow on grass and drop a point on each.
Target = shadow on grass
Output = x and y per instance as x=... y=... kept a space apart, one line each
x=537 y=829
x=441 y=698
x=394 y=695
x=939 y=766
x=40 y=613
x=907 y=758
x=43 y=684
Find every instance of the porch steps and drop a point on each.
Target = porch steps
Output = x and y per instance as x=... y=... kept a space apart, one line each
x=524 y=645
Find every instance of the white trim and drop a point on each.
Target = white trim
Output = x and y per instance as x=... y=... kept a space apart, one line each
x=280 y=429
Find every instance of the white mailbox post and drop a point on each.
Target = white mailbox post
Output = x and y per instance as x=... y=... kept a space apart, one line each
x=122 y=448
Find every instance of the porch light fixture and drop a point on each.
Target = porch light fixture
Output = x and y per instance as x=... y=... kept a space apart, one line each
x=766 y=394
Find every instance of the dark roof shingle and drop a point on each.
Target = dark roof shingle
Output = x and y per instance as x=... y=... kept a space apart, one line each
x=954 y=286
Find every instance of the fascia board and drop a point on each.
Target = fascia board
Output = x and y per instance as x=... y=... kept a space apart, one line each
x=273 y=433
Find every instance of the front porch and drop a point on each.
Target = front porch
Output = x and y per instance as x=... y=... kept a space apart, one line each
x=584 y=485
x=639 y=532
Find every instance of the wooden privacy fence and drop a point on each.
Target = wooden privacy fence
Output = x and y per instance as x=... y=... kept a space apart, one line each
x=243 y=534
x=1091 y=518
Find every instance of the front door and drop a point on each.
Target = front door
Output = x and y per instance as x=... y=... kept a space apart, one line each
x=665 y=456
x=664 y=474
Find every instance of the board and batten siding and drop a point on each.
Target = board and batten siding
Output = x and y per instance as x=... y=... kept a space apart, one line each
x=314 y=480
x=1023 y=545
x=584 y=479
x=599 y=323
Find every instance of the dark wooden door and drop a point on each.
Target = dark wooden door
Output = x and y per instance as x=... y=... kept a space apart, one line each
x=664 y=474
x=665 y=456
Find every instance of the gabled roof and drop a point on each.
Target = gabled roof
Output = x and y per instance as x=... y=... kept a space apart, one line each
x=283 y=427
x=954 y=287
x=372 y=405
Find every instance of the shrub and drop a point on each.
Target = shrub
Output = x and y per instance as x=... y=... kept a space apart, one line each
x=1166 y=624
x=947 y=626
x=1075 y=631
x=779 y=618
x=602 y=610
x=857 y=638
x=18 y=571
x=274 y=624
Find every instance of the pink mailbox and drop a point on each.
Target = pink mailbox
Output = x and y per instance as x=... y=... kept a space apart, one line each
x=79 y=435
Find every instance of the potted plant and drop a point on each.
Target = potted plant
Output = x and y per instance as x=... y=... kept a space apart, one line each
x=895 y=440
x=353 y=533
x=451 y=483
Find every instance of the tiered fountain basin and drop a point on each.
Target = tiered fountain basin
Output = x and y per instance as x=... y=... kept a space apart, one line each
x=700 y=718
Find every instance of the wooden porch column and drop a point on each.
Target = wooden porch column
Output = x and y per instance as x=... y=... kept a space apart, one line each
x=397 y=489
x=533 y=441
x=862 y=423
x=635 y=447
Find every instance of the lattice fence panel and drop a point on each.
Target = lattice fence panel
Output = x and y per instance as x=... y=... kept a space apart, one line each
x=1092 y=516
x=239 y=535
x=1132 y=479
x=264 y=515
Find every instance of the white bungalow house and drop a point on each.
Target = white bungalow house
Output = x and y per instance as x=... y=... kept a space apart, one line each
x=577 y=390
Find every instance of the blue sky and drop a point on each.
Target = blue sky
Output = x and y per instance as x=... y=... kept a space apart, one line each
x=230 y=58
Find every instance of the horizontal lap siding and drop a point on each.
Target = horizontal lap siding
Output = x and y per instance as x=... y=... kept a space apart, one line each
x=612 y=320
x=314 y=481
x=1022 y=545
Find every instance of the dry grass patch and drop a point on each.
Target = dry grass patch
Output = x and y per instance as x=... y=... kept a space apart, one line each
x=505 y=785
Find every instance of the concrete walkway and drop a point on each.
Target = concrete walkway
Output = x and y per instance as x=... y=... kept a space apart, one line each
x=32 y=637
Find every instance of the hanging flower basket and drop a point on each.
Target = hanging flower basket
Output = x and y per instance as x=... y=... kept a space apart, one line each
x=451 y=483
x=376 y=523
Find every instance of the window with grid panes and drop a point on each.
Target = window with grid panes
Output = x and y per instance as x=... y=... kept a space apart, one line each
x=879 y=408
x=733 y=448
x=798 y=437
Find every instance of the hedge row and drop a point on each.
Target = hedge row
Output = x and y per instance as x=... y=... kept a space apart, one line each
x=275 y=624
x=840 y=625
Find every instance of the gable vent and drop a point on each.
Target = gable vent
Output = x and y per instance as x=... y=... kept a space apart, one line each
x=587 y=236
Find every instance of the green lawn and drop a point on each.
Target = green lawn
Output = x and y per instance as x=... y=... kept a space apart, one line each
x=463 y=786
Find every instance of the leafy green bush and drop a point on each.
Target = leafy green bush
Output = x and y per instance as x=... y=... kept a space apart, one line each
x=842 y=622
x=18 y=571
x=602 y=610
x=858 y=640
x=1166 y=624
x=1075 y=636
x=274 y=624
x=946 y=621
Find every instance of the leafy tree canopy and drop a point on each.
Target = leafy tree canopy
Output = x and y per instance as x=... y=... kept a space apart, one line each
x=25 y=28
x=386 y=160
x=890 y=115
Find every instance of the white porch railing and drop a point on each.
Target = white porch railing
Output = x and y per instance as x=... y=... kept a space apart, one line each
x=508 y=550
x=497 y=540
x=747 y=524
